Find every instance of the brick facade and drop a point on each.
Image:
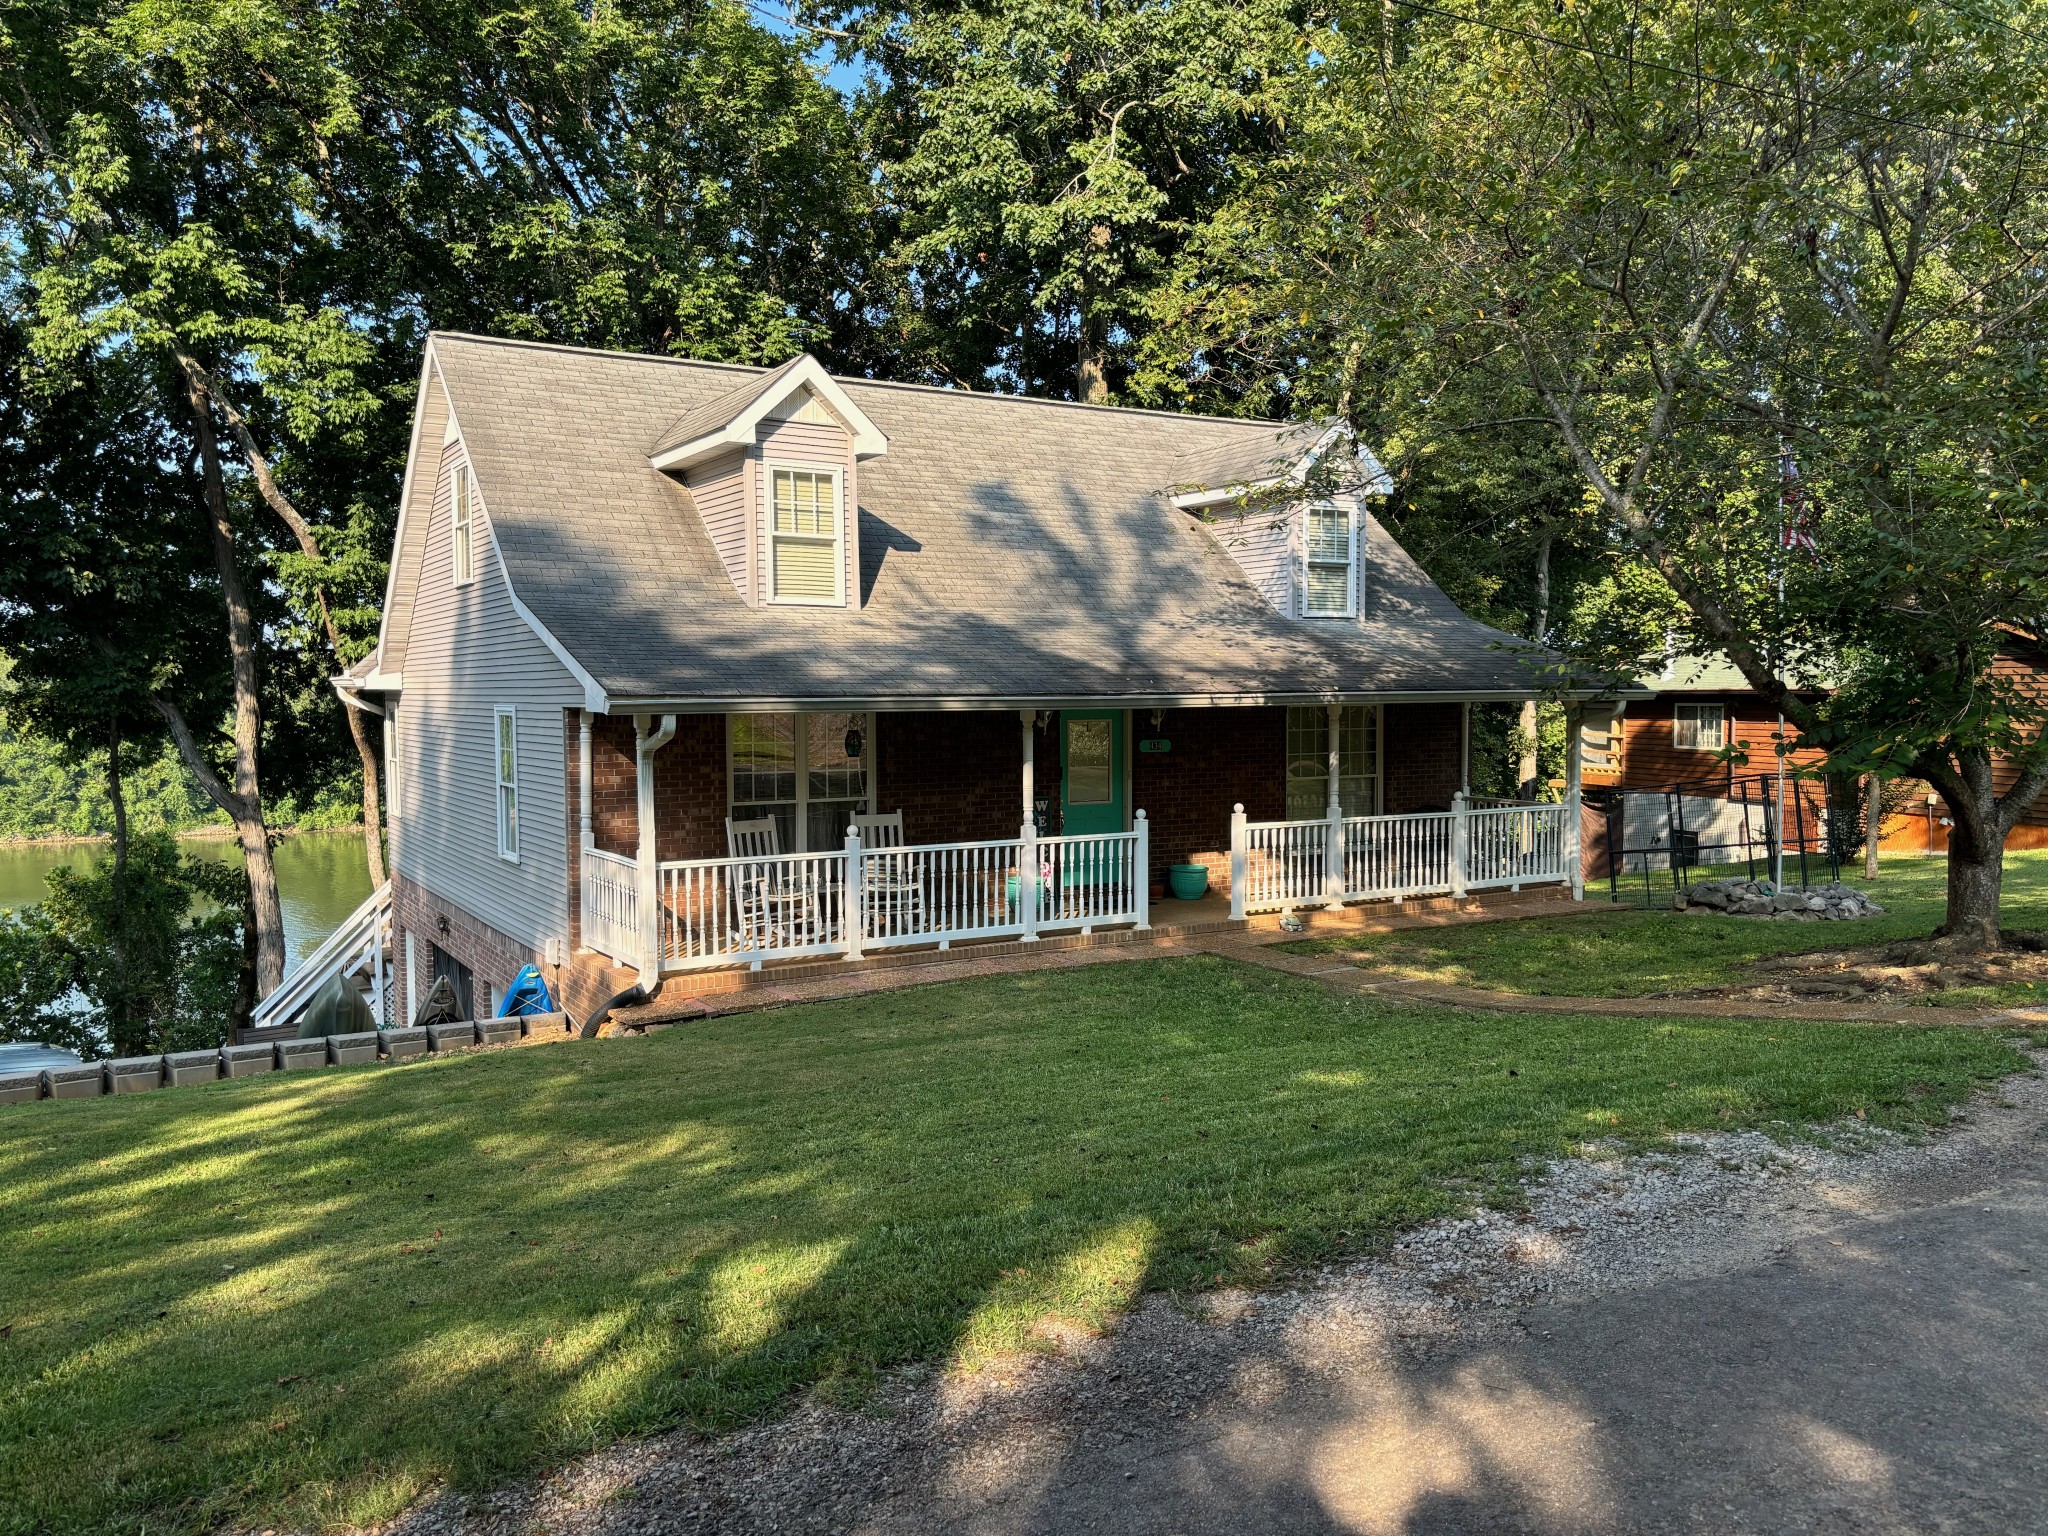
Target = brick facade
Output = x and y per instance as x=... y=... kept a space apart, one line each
x=492 y=958
x=1217 y=758
x=1422 y=757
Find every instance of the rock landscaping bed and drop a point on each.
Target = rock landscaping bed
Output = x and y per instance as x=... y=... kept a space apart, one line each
x=1831 y=903
x=939 y=1450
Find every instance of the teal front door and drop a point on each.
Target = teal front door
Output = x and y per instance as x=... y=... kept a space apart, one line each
x=1092 y=771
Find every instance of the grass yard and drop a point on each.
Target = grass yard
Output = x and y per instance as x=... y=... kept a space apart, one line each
x=307 y=1299
x=1623 y=952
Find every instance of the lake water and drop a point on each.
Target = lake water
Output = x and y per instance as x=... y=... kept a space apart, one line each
x=321 y=877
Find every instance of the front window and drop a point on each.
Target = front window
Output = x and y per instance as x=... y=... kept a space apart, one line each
x=1326 y=586
x=508 y=784
x=1700 y=727
x=810 y=772
x=806 y=561
x=464 y=553
x=1308 y=761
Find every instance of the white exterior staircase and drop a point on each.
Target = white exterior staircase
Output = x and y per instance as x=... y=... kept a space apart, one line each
x=361 y=946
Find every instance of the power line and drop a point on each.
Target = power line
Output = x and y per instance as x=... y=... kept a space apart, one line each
x=1993 y=140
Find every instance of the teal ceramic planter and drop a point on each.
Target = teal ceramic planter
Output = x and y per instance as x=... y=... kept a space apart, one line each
x=1190 y=882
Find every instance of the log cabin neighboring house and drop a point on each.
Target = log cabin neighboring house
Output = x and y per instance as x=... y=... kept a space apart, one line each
x=641 y=609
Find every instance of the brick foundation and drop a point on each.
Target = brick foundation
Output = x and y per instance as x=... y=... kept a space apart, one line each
x=492 y=958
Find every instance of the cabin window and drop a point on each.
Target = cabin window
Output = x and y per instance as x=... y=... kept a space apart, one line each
x=1308 y=761
x=1699 y=727
x=507 y=727
x=1597 y=748
x=1328 y=549
x=806 y=538
x=811 y=772
x=465 y=534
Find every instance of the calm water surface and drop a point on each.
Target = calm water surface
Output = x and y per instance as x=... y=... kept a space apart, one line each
x=321 y=877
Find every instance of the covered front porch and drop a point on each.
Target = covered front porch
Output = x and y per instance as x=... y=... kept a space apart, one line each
x=895 y=830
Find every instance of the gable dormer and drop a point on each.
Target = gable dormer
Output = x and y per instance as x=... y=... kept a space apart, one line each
x=773 y=467
x=1290 y=510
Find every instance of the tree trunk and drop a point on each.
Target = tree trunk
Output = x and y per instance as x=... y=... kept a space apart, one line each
x=1526 y=770
x=1873 y=822
x=244 y=801
x=1091 y=370
x=1975 y=874
x=117 y=797
x=309 y=546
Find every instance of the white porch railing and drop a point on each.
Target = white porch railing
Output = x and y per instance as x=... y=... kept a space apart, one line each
x=713 y=912
x=1275 y=865
x=611 y=906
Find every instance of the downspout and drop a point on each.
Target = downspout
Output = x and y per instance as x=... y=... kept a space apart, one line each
x=646 y=744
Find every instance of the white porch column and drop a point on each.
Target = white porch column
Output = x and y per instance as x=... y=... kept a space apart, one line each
x=1465 y=748
x=646 y=743
x=1027 y=876
x=1030 y=718
x=583 y=828
x=1240 y=861
x=1574 y=752
x=1461 y=844
x=1333 y=846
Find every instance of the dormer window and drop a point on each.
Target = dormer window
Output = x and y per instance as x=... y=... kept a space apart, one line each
x=806 y=537
x=1329 y=555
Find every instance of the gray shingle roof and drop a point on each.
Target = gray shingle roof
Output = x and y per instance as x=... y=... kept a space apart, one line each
x=1246 y=460
x=1011 y=549
x=720 y=409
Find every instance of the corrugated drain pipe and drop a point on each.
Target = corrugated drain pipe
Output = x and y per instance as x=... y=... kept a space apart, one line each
x=603 y=1011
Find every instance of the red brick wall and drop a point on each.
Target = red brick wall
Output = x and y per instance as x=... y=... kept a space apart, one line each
x=1219 y=757
x=957 y=775
x=614 y=786
x=492 y=958
x=1423 y=756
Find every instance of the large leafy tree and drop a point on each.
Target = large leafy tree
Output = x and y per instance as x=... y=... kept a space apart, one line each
x=1711 y=250
x=1044 y=160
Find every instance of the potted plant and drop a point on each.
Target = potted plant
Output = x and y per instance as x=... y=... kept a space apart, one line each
x=1190 y=882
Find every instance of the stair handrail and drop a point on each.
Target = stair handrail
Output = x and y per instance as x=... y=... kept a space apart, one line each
x=341 y=947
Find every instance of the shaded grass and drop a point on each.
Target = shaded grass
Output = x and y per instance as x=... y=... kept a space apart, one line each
x=307 y=1299
x=1620 y=952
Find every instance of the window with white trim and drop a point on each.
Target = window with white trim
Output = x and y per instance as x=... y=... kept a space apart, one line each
x=1308 y=761
x=806 y=537
x=464 y=540
x=506 y=728
x=391 y=762
x=1699 y=727
x=811 y=772
x=1328 y=548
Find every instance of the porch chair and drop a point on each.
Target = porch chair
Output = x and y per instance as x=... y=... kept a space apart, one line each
x=773 y=906
x=891 y=890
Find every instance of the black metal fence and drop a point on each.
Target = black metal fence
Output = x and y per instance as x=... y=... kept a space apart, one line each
x=1662 y=840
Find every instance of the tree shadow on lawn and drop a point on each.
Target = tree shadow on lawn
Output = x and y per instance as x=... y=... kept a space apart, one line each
x=312 y=1298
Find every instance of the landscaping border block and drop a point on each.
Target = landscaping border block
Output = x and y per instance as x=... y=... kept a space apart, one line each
x=183 y=1067
x=451 y=1037
x=298 y=1055
x=21 y=1087
x=404 y=1044
x=80 y=1082
x=543 y=1026
x=247 y=1060
x=497 y=1031
x=133 y=1074
x=353 y=1050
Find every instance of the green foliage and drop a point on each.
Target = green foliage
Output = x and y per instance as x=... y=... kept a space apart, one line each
x=36 y=984
x=340 y=1289
x=47 y=790
x=154 y=945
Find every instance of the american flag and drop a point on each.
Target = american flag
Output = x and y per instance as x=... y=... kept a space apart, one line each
x=1795 y=521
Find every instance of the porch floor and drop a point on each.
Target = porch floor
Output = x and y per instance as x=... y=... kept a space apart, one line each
x=1177 y=926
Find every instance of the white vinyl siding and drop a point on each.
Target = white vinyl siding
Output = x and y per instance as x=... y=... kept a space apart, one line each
x=806 y=537
x=1699 y=727
x=463 y=546
x=471 y=652
x=506 y=722
x=1328 y=551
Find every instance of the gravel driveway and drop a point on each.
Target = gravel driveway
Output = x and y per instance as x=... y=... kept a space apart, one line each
x=1740 y=1337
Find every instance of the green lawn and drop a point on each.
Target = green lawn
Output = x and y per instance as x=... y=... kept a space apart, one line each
x=1623 y=952
x=306 y=1299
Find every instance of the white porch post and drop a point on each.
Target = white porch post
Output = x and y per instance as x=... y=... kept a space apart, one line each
x=1574 y=746
x=1239 y=860
x=1465 y=748
x=646 y=743
x=1333 y=845
x=1461 y=843
x=856 y=907
x=1030 y=718
x=1141 y=873
x=585 y=837
x=1027 y=871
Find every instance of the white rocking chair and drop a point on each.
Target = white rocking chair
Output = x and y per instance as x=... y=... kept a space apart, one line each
x=892 y=894
x=773 y=907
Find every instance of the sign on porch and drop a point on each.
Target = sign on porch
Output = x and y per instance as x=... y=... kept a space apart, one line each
x=1155 y=744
